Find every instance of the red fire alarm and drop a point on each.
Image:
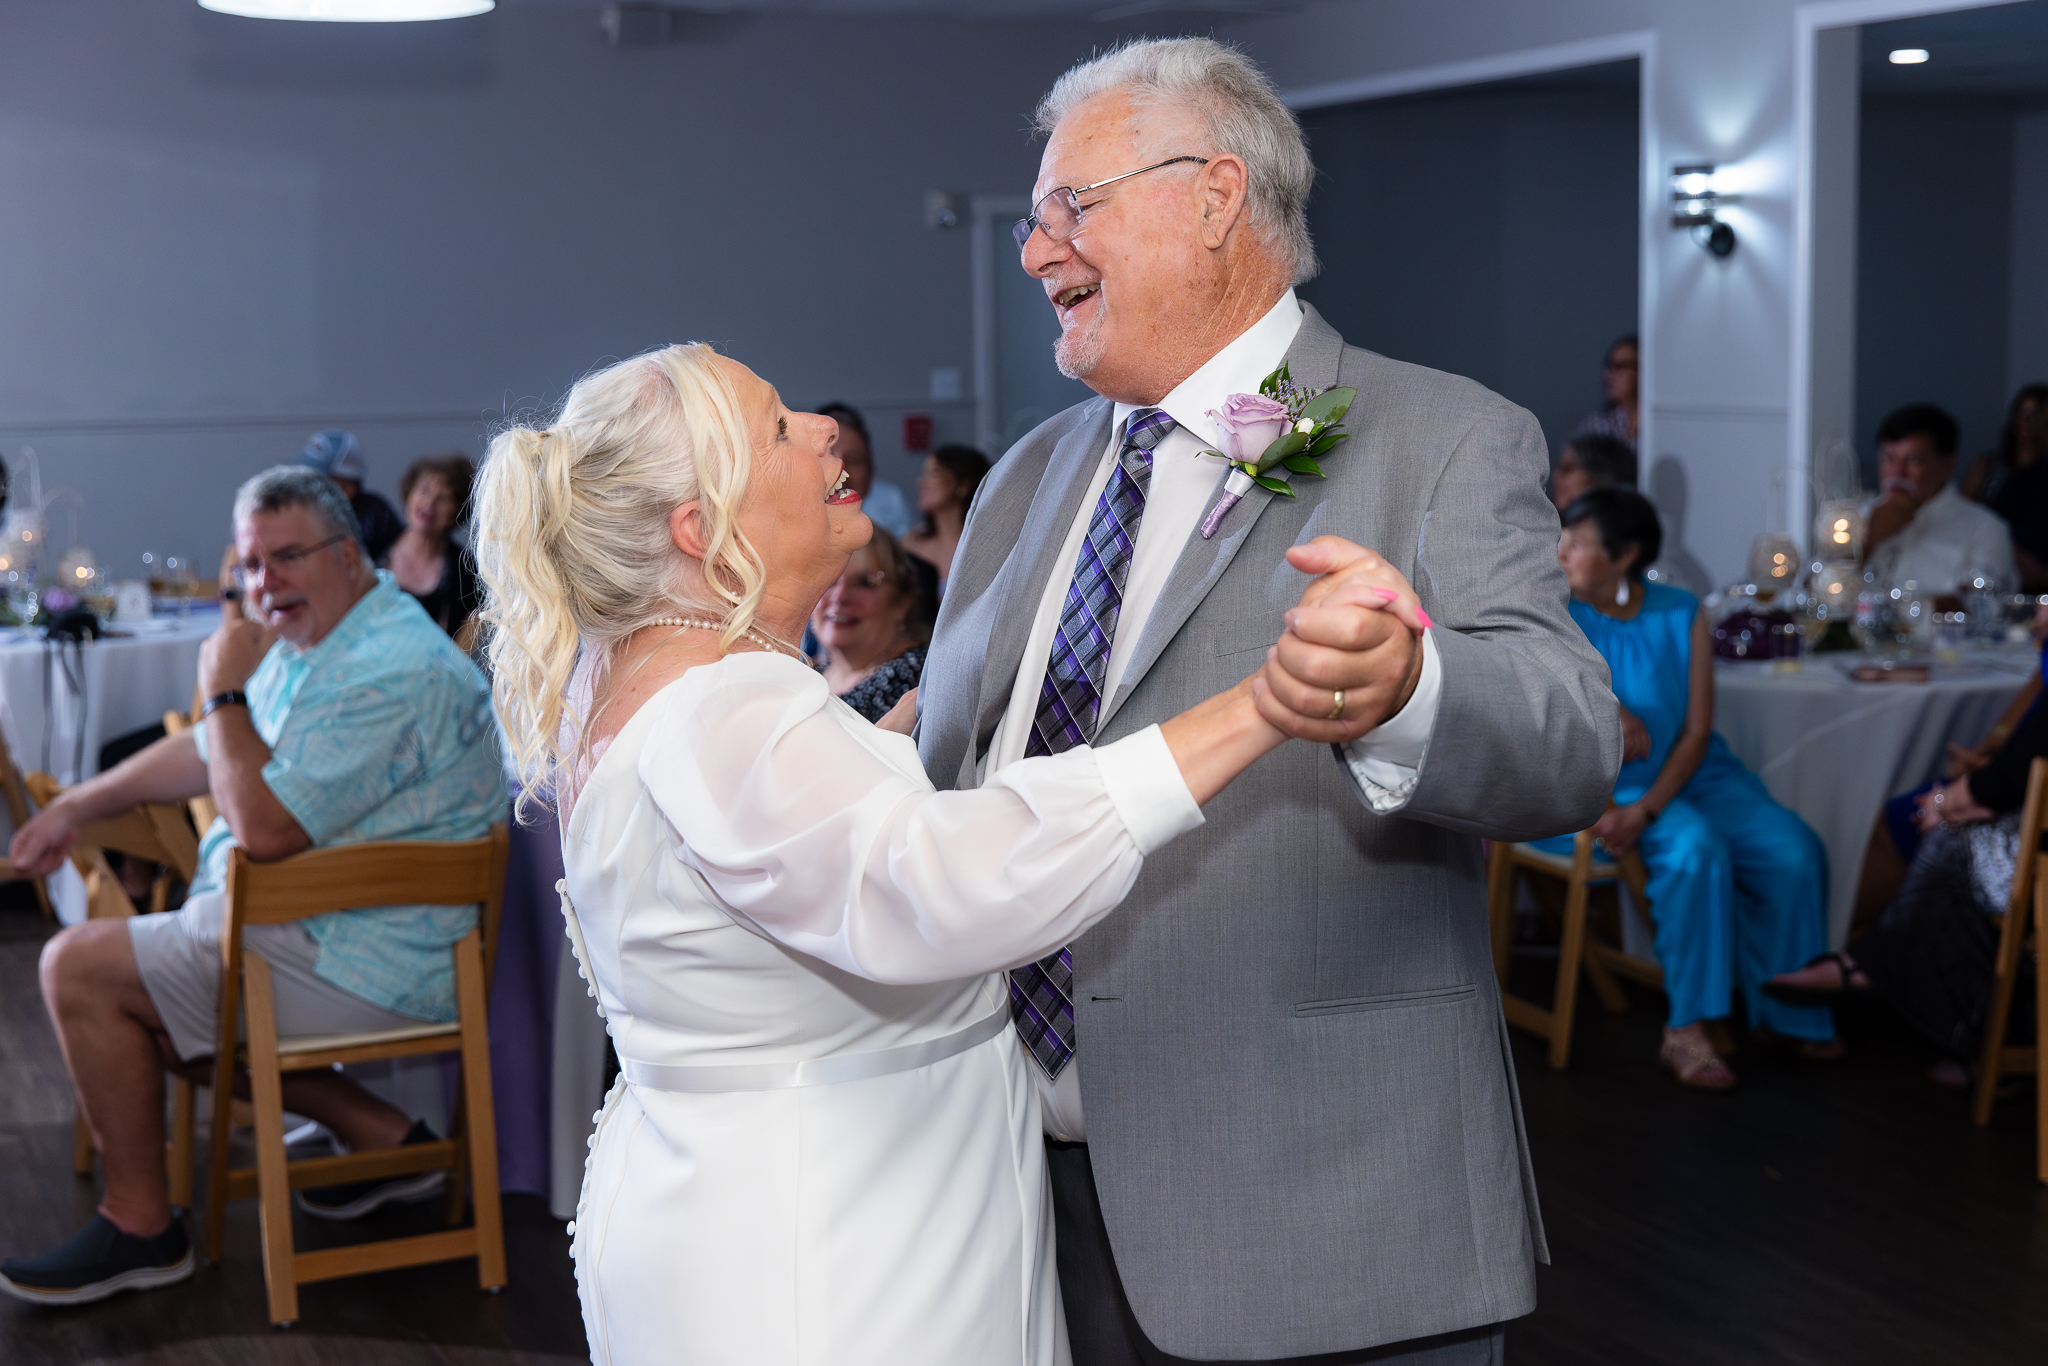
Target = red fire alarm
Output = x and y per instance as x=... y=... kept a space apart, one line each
x=917 y=431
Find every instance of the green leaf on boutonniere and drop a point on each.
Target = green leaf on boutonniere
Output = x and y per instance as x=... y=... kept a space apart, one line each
x=1330 y=405
x=1325 y=443
x=1294 y=443
x=1278 y=486
x=1272 y=384
x=1301 y=464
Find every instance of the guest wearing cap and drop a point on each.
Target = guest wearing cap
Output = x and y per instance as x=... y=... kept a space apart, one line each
x=339 y=456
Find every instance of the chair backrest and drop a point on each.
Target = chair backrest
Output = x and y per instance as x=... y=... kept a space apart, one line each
x=2031 y=814
x=375 y=873
x=12 y=787
x=204 y=812
x=153 y=831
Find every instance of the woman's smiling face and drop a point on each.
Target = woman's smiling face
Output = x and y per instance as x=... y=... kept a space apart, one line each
x=802 y=519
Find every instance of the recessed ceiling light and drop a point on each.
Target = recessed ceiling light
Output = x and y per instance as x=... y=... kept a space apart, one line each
x=1908 y=56
x=351 y=11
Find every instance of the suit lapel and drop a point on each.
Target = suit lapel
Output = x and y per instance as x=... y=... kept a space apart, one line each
x=1312 y=360
x=1020 y=586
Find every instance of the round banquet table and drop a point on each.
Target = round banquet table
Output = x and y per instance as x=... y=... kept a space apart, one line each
x=1835 y=750
x=111 y=686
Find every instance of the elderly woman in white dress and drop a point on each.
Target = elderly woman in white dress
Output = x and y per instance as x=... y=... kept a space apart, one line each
x=824 y=1146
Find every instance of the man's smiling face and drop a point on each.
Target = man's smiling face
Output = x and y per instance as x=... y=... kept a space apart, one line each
x=1131 y=280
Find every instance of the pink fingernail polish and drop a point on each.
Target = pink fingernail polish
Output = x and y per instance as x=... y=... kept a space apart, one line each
x=1386 y=594
x=1426 y=622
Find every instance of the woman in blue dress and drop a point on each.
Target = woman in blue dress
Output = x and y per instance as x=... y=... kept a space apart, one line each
x=1738 y=884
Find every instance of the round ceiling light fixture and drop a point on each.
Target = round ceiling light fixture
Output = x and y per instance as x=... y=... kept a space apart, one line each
x=1908 y=56
x=351 y=11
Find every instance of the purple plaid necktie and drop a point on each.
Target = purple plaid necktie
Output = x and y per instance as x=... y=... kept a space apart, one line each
x=1070 y=700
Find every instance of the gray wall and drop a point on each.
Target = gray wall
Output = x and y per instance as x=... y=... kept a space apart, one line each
x=220 y=234
x=1934 y=262
x=2027 y=349
x=1489 y=232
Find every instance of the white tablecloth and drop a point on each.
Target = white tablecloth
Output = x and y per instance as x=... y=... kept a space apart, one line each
x=128 y=682
x=1835 y=750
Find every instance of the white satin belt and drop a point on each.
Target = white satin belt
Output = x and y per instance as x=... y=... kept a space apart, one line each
x=779 y=1076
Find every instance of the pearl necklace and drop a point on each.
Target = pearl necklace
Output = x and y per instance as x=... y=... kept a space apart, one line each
x=766 y=642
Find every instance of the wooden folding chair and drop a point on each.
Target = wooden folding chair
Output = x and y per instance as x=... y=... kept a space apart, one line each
x=2028 y=901
x=15 y=792
x=1576 y=949
x=155 y=832
x=385 y=873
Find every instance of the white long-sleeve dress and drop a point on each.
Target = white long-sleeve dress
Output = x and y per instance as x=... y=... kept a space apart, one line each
x=824 y=1148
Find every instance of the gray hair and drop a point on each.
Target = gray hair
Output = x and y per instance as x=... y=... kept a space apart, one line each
x=298 y=486
x=1241 y=113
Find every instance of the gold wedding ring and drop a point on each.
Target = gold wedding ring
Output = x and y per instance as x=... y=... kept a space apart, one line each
x=1337 y=706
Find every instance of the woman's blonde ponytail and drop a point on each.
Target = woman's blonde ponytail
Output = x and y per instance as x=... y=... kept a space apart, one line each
x=572 y=538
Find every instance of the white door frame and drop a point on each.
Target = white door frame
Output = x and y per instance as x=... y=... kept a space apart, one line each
x=984 y=211
x=1807 y=22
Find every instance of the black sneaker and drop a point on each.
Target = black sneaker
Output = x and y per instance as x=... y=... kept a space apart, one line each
x=97 y=1261
x=357 y=1198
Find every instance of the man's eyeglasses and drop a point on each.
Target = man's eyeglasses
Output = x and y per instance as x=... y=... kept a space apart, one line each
x=871 y=580
x=1059 y=211
x=249 y=571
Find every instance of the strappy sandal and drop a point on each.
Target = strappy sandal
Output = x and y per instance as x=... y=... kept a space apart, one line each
x=1794 y=995
x=1691 y=1059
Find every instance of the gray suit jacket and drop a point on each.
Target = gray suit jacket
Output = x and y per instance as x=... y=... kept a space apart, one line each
x=1301 y=1108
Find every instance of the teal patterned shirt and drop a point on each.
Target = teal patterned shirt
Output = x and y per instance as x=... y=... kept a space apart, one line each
x=382 y=731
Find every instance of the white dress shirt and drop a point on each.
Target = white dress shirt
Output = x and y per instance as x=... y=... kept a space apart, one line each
x=1949 y=538
x=1183 y=478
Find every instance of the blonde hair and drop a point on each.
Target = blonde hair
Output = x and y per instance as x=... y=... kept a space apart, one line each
x=573 y=542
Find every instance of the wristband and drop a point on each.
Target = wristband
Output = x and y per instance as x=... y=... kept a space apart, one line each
x=236 y=698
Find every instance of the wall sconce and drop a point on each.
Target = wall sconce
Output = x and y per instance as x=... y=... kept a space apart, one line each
x=1693 y=204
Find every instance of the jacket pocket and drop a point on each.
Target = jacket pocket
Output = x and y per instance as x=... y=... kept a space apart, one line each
x=1244 y=634
x=1399 y=1000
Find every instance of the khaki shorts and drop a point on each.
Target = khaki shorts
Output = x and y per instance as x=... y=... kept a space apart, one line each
x=178 y=954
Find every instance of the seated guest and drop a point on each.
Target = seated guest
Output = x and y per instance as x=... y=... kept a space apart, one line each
x=882 y=501
x=1919 y=528
x=424 y=559
x=344 y=715
x=2013 y=482
x=1931 y=954
x=1620 y=418
x=871 y=630
x=1895 y=836
x=1591 y=461
x=1738 y=884
x=944 y=493
x=339 y=456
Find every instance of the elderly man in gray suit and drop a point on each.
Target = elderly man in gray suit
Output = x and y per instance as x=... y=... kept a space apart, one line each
x=1279 y=1105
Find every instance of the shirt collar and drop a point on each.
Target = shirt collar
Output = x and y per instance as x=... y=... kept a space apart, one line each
x=1236 y=369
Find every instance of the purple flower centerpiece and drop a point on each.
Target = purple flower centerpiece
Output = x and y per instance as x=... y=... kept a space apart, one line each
x=1267 y=436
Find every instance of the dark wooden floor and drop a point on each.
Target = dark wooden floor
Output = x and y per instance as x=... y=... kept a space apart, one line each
x=1844 y=1213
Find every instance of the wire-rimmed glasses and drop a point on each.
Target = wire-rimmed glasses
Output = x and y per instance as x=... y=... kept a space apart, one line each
x=1059 y=211
x=288 y=558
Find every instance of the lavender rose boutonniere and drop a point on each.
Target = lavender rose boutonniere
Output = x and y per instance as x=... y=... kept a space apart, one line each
x=1279 y=431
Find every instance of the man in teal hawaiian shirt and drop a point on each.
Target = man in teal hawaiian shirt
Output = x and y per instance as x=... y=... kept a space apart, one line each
x=336 y=712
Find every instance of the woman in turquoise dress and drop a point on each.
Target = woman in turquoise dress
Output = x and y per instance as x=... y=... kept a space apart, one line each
x=1738 y=885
